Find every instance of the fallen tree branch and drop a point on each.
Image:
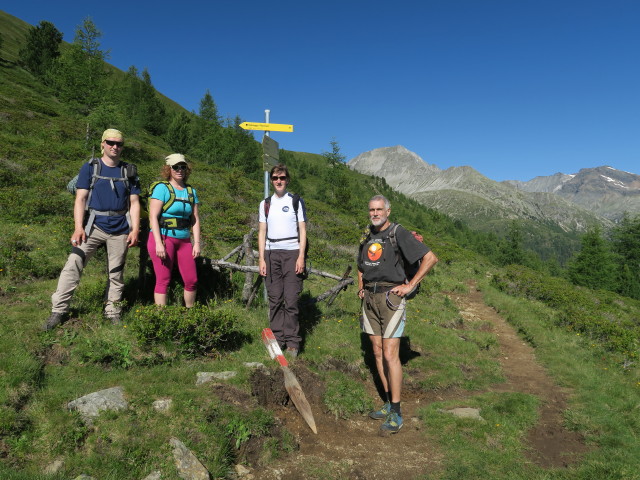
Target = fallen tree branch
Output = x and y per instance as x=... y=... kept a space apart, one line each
x=232 y=253
x=345 y=275
x=218 y=264
x=342 y=284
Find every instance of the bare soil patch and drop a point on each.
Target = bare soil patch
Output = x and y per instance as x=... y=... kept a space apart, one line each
x=353 y=449
x=551 y=444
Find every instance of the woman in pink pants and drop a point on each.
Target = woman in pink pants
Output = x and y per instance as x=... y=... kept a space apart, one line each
x=173 y=217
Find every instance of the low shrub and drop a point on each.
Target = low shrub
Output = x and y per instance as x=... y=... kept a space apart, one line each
x=605 y=317
x=242 y=426
x=195 y=331
x=22 y=258
x=242 y=435
x=116 y=353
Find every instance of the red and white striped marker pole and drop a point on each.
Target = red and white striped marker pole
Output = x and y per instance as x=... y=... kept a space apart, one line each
x=290 y=381
x=269 y=340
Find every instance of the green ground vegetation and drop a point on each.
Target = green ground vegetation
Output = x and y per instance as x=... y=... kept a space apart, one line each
x=587 y=339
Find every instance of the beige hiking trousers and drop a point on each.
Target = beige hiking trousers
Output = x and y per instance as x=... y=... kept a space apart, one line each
x=72 y=271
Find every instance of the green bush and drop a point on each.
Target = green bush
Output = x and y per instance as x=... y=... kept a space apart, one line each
x=117 y=353
x=243 y=425
x=23 y=258
x=34 y=205
x=605 y=317
x=197 y=330
x=240 y=434
x=345 y=396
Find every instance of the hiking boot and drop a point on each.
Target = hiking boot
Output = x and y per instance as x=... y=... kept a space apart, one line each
x=292 y=352
x=53 y=321
x=382 y=413
x=392 y=424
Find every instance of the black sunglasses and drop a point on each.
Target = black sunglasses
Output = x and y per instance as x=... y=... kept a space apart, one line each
x=180 y=166
x=112 y=143
x=281 y=177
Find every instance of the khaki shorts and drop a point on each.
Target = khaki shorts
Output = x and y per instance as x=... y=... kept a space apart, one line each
x=381 y=319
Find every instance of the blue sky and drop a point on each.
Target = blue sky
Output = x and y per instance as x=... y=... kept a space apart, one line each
x=514 y=89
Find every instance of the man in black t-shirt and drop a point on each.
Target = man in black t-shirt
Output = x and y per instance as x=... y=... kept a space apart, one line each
x=382 y=287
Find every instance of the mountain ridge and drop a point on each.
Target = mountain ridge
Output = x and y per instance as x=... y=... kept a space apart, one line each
x=477 y=199
x=604 y=190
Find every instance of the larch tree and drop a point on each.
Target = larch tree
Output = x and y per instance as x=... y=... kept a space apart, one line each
x=79 y=74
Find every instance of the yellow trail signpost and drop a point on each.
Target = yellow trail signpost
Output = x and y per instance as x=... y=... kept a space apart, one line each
x=267 y=127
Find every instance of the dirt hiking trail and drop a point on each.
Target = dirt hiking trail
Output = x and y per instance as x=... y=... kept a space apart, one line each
x=353 y=449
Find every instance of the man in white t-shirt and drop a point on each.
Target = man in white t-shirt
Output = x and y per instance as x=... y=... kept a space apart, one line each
x=282 y=238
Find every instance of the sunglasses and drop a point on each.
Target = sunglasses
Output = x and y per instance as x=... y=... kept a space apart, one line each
x=282 y=178
x=180 y=166
x=112 y=143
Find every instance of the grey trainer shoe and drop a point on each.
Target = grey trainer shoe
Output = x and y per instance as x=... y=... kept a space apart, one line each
x=53 y=321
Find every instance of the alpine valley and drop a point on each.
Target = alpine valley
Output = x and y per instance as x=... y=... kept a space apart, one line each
x=556 y=208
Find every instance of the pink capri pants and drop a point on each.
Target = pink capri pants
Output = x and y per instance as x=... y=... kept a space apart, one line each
x=177 y=249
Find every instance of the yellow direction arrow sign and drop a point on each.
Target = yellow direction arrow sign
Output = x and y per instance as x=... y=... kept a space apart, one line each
x=269 y=127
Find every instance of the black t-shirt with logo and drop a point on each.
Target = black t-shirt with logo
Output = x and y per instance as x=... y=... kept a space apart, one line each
x=378 y=261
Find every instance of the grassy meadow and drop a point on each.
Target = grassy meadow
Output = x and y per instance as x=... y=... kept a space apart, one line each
x=586 y=340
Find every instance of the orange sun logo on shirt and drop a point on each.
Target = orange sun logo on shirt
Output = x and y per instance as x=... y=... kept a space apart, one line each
x=375 y=252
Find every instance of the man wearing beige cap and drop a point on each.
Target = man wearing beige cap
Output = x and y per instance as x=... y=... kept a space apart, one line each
x=106 y=212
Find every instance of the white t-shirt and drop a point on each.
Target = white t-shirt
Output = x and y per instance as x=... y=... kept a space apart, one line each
x=281 y=222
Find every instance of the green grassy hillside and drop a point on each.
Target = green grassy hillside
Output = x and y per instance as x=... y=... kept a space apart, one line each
x=586 y=340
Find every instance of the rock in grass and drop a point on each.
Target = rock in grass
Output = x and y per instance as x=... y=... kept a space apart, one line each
x=162 y=405
x=465 y=412
x=241 y=470
x=188 y=465
x=204 y=377
x=254 y=365
x=153 y=476
x=92 y=404
x=54 y=467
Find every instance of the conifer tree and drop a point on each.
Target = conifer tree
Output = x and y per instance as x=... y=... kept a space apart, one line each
x=152 y=111
x=334 y=157
x=41 y=49
x=625 y=238
x=178 y=133
x=511 y=251
x=79 y=73
x=209 y=110
x=207 y=132
x=339 y=188
x=594 y=265
x=131 y=93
